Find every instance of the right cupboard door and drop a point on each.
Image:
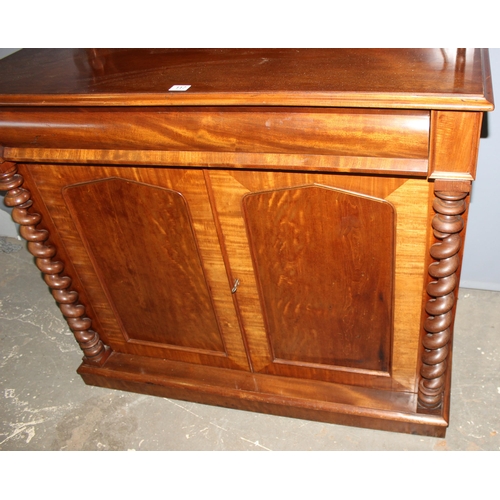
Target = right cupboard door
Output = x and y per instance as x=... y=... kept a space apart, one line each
x=330 y=270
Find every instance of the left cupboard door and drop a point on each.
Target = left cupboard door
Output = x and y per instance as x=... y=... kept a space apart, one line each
x=145 y=247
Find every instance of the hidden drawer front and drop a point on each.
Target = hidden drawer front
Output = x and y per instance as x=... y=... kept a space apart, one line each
x=276 y=130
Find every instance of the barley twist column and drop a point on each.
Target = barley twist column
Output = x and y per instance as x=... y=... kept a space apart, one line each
x=447 y=225
x=95 y=352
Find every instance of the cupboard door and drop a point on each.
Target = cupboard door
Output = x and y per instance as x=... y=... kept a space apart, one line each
x=331 y=272
x=145 y=246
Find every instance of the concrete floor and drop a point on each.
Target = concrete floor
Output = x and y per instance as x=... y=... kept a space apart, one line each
x=46 y=406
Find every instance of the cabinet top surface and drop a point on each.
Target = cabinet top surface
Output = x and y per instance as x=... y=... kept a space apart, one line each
x=383 y=78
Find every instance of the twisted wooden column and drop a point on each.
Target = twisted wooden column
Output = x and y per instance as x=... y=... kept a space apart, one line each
x=447 y=224
x=95 y=352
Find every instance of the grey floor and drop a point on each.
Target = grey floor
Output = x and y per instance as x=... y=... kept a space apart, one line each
x=46 y=406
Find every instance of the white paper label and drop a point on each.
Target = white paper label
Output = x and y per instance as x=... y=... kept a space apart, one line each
x=179 y=88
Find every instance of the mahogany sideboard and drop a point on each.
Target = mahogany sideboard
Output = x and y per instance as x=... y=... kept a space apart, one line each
x=274 y=230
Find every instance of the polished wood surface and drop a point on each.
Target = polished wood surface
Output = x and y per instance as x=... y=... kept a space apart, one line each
x=411 y=200
x=180 y=310
x=19 y=199
x=158 y=286
x=257 y=161
x=333 y=305
x=453 y=159
x=447 y=225
x=385 y=78
x=333 y=403
x=285 y=236
x=339 y=132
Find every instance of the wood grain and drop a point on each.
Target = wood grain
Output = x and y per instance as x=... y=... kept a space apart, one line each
x=157 y=287
x=411 y=201
x=118 y=282
x=311 y=400
x=450 y=159
x=262 y=240
x=263 y=161
x=335 y=132
x=323 y=260
x=54 y=273
x=373 y=78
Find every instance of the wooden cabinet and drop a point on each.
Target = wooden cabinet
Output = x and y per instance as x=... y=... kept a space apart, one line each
x=283 y=245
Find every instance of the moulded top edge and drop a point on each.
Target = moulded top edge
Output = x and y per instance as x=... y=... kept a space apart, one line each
x=337 y=100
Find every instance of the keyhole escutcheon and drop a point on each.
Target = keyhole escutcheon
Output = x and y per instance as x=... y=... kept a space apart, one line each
x=235 y=286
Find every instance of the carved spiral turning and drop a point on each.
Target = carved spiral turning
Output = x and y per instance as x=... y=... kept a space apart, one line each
x=447 y=224
x=95 y=352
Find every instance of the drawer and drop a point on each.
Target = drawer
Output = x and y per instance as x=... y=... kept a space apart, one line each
x=337 y=132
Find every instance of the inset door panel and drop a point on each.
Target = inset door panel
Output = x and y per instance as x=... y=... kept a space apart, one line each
x=148 y=262
x=324 y=261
